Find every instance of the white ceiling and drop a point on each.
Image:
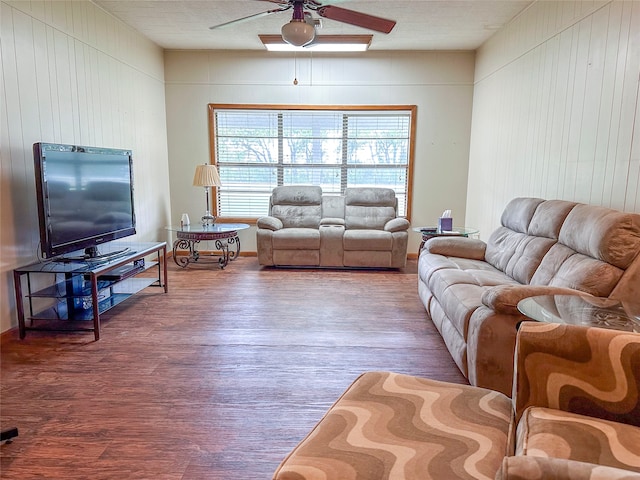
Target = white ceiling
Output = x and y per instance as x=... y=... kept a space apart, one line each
x=421 y=24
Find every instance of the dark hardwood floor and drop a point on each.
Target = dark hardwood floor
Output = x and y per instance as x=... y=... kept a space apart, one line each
x=218 y=379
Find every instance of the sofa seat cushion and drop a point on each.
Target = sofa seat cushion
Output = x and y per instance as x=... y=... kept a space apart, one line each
x=430 y=263
x=545 y=432
x=395 y=426
x=296 y=239
x=367 y=240
x=459 y=292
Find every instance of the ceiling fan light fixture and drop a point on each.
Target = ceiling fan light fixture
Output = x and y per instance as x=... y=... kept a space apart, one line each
x=321 y=43
x=298 y=32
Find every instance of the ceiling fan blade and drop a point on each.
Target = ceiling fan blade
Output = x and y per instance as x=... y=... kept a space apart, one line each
x=251 y=17
x=356 y=18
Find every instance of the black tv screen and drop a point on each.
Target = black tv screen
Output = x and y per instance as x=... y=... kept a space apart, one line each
x=84 y=195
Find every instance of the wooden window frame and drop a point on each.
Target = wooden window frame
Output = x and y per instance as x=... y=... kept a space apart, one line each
x=212 y=107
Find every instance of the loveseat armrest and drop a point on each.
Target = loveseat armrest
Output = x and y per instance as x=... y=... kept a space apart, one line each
x=334 y=221
x=585 y=370
x=461 y=247
x=505 y=298
x=269 y=223
x=397 y=224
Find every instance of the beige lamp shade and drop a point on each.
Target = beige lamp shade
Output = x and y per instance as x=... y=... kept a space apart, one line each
x=206 y=176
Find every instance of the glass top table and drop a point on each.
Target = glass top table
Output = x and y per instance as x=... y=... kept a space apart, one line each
x=582 y=310
x=225 y=236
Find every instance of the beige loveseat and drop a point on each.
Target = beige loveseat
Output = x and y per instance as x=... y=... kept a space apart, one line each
x=470 y=289
x=574 y=415
x=358 y=229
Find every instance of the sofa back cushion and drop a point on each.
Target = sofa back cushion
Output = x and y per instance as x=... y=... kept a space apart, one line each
x=297 y=206
x=595 y=247
x=530 y=227
x=604 y=234
x=369 y=208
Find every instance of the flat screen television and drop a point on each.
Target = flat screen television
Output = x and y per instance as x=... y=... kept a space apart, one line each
x=85 y=198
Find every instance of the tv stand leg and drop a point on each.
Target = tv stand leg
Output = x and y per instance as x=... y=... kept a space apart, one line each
x=95 y=306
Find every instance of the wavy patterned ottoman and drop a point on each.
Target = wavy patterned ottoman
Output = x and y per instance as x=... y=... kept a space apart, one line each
x=388 y=425
x=575 y=415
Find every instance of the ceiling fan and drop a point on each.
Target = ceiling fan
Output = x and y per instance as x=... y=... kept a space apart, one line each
x=300 y=31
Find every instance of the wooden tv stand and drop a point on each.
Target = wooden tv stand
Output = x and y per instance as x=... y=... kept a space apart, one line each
x=90 y=287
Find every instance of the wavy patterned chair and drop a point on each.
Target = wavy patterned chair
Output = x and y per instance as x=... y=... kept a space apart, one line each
x=575 y=414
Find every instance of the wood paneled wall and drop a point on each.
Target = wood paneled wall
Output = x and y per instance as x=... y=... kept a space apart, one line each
x=555 y=109
x=71 y=73
x=439 y=83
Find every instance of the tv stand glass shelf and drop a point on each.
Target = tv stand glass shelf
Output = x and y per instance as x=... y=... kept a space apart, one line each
x=86 y=288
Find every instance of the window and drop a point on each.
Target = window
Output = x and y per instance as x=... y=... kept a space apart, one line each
x=257 y=148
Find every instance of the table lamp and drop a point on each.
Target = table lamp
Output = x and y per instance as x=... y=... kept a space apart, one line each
x=207 y=176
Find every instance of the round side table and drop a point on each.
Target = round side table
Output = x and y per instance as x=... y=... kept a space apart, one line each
x=224 y=235
x=582 y=310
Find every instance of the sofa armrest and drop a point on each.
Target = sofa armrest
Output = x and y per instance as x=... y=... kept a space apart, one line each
x=269 y=223
x=539 y=468
x=585 y=370
x=335 y=221
x=505 y=298
x=461 y=247
x=397 y=225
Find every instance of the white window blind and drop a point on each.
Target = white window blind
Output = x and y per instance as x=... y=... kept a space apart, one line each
x=257 y=149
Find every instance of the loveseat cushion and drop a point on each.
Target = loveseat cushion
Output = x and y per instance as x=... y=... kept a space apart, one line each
x=539 y=468
x=388 y=425
x=367 y=240
x=296 y=239
x=297 y=206
x=546 y=432
x=369 y=208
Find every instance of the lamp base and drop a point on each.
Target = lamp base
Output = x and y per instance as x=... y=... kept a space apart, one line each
x=208 y=219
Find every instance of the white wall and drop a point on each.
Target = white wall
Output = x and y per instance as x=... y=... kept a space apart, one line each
x=71 y=73
x=439 y=83
x=555 y=105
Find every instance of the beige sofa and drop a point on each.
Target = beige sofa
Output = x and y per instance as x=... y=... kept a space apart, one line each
x=358 y=229
x=470 y=289
x=575 y=415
